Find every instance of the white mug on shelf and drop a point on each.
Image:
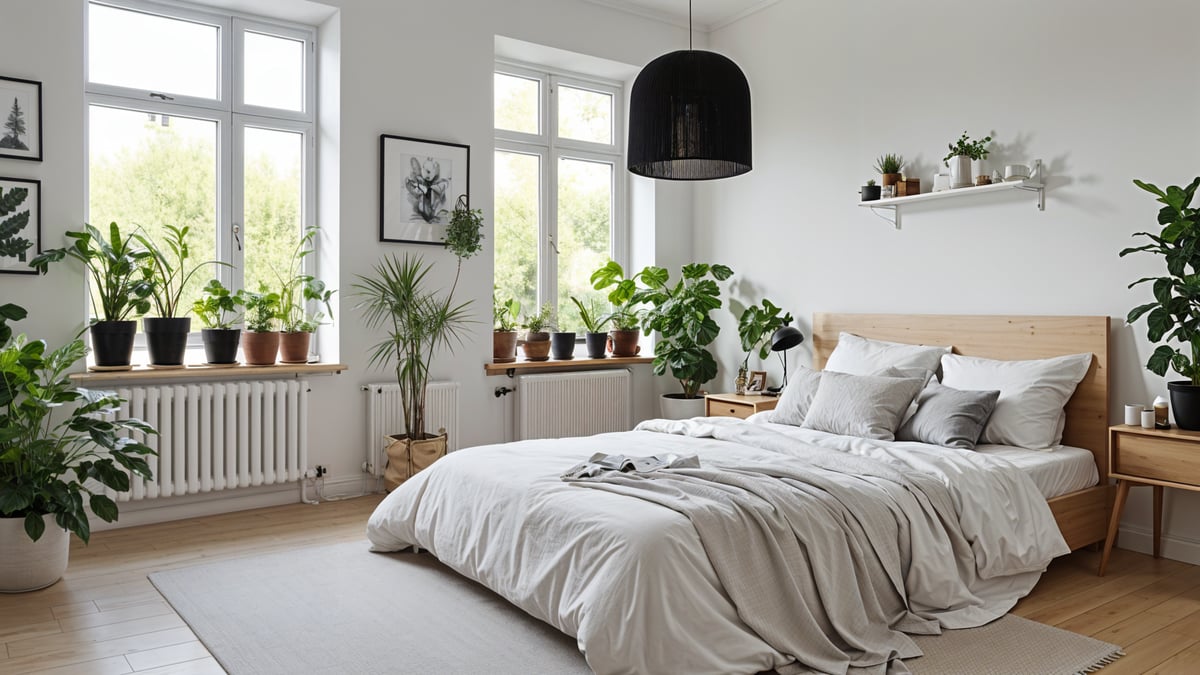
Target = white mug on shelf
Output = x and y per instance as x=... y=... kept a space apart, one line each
x=1147 y=419
x=1016 y=172
x=1133 y=414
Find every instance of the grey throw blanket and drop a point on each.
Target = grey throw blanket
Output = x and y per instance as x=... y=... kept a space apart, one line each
x=812 y=553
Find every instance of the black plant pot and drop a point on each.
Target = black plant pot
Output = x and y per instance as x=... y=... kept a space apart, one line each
x=562 y=346
x=112 y=342
x=597 y=343
x=870 y=192
x=1185 y=402
x=221 y=344
x=166 y=339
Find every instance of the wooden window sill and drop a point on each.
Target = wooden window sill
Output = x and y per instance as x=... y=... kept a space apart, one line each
x=571 y=364
x=205 y=372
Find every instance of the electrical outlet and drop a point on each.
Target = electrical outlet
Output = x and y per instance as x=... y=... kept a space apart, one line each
x=321 y=471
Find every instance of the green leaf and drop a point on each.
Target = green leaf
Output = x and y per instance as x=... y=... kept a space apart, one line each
x=34 y=526
x=721 y=272
x=654 y=277
x=1160 y=360
x=103 y=507
x=1150 y=187
x=1137 y=312
x=1158 y=323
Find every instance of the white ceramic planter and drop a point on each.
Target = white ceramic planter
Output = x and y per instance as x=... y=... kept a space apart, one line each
x=29 y=565
x=960 y=171
x=681 y=408
x=978 y=168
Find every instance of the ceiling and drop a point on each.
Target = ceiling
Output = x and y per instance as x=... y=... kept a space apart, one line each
x=707 y=15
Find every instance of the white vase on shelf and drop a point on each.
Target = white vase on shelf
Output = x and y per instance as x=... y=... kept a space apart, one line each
x=960 y=171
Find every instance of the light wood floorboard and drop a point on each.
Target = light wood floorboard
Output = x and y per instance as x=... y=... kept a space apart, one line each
x=105 y=617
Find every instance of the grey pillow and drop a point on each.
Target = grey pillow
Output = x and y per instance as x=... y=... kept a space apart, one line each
x=866 y=406
x=797 y=397
x=951 y=418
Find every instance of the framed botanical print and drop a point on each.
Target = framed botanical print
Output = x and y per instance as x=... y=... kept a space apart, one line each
x=419 y=182
x=20 y=224
x=20 y=119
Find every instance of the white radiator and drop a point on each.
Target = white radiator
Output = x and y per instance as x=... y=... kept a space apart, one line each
x=385 y=415
x=557 y=405
x=219 y=435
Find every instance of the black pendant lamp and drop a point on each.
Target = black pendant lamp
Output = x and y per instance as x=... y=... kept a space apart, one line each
x=689 y=117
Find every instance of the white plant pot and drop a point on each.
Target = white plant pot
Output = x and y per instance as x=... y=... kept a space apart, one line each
x=27 y=565
x=978 y=168
x=681 y=408
x=960 y=171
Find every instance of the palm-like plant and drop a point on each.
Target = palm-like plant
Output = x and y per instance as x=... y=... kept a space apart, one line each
x=166 y=270
x=115 y=264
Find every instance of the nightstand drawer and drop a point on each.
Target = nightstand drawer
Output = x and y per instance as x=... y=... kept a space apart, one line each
x=1159 y=458
x=726 y=409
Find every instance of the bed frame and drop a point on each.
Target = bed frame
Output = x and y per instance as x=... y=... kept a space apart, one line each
x=1082 y=516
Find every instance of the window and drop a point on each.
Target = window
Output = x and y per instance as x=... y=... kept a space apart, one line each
x=558 y=194
x=205 y=120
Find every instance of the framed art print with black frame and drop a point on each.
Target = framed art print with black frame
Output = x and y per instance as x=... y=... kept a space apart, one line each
x=20 y=119
x=419 y=182
x=20 y=224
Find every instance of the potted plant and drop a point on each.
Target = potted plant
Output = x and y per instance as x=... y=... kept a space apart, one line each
x=537 y=325
x=419 y=322
x=755 y=326
x=962 y=152
x=595 y=339
x=167 y=273
x=119 y=288
x=505 y=316
x=58 y=445
x=682 y=314
x=217 y=310
x=625 y=318
x=260 y=339
x=889 y=167
x=1174 y=313
x=870 y=191
x=298 y=289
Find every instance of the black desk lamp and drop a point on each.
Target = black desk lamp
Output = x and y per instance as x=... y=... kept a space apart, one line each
x=782 y=340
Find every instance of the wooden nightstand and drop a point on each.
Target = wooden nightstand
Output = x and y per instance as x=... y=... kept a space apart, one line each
x=1137 y=456
x=737 y=405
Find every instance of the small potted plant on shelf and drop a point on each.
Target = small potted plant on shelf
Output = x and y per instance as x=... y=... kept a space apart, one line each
x=167 y=333
x=217 y=310
x=120 y=291
x=595 y=339
x=889 y=167
x=962 y=153
x=260 y=339
x=870 y=191
x=537 y=336
x=625 y=317
x=296 y=290
x=1174 y=313
x=505 y=316
x=755 y=327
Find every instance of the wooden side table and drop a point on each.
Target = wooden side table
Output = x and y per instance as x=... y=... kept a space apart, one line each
x=737 y=405
x=1158 y=458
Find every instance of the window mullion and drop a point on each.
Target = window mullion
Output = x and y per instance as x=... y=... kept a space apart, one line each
x=235 y=229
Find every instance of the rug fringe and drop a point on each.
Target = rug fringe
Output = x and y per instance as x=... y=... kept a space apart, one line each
x=1107 y=660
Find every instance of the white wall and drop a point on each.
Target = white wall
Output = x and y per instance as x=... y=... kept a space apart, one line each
x=1103 y=92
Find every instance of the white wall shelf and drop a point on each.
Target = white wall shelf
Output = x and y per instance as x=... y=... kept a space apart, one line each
x=894 y=204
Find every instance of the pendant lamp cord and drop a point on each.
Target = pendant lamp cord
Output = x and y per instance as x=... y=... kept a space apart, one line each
x=689 y=25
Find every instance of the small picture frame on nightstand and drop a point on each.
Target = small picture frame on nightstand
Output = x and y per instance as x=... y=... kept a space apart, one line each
x=756 y=383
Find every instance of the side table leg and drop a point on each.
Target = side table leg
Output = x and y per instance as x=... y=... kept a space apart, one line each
x=1158 y=499
x=1114 y=523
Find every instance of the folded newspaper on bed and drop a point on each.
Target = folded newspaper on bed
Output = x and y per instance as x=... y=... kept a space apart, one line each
x=602 y=462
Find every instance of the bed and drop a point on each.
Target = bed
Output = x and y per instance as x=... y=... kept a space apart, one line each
x=644 y=589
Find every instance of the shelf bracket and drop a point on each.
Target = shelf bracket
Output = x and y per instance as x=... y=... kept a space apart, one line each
x=894 y=219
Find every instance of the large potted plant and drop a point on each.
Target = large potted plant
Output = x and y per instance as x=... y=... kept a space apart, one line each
x=297 y=290
x=682 y=314
x=119 y=288
x=260 y=339
x=58 y=445
x=217 y=310
x=505 y=317
x=962 y=153
x=625 y=318
x=755 y=327
x=537 y=325
x=595 y=339
x=168 y=274
x=418 y=322
x=1173 y=315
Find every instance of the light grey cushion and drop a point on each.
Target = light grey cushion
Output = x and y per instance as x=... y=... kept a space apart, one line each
x=948 y=417
x=797 y=397
x=866 y=406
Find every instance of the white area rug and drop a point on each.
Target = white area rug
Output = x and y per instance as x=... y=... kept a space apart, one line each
x=341 y=609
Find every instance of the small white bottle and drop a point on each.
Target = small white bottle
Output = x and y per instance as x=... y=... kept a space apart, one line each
x=1161 y=413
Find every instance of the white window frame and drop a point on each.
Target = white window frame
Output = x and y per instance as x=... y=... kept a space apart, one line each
x=550 y=148
x=232 y=116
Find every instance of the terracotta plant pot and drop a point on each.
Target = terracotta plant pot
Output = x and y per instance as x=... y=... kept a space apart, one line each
x=536 y=347
x=293 y=347
x=260 y=349
x=406 y=457
x=625 y=342
x=504 y=346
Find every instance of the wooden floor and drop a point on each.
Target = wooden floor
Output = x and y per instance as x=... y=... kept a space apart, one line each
x=105 y=617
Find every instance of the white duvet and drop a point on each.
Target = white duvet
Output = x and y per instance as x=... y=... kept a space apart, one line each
x=630 y=579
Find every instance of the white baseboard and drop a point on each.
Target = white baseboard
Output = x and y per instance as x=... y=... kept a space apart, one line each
x=1139 y=539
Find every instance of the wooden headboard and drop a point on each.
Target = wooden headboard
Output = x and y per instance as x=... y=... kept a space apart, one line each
x=999 y=337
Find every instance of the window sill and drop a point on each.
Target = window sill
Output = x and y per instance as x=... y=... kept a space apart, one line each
x=571 y=364
x=204 y=372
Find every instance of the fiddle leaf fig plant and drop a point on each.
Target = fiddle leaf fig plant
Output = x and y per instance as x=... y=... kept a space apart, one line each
x=1174 y=313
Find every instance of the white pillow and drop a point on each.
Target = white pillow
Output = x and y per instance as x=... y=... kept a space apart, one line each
x=1032 y=395
x=863 y=356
